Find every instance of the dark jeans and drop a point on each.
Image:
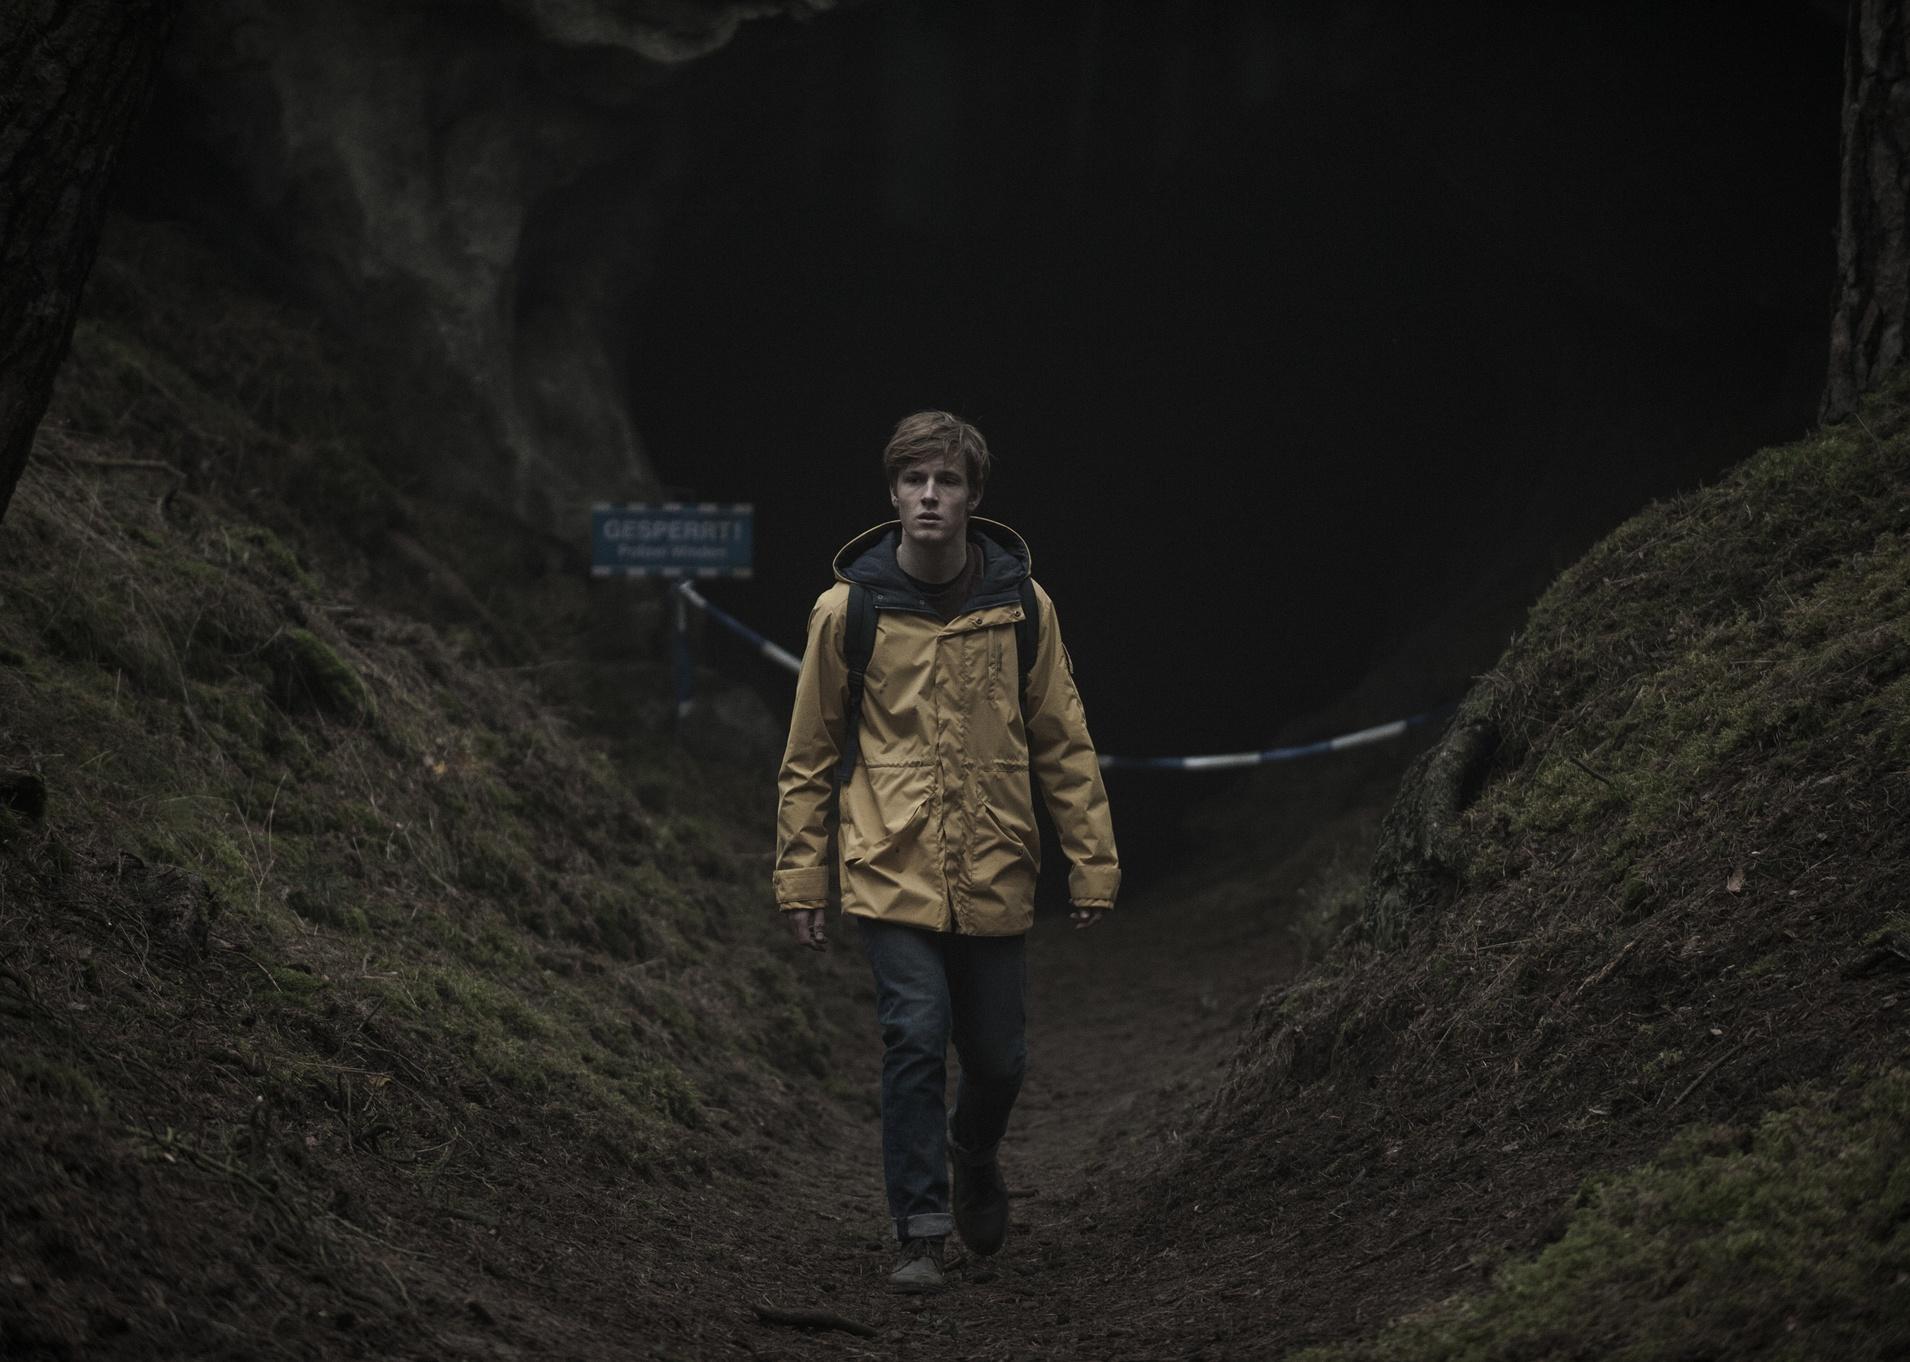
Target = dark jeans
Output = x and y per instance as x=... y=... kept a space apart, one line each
x=929 y=987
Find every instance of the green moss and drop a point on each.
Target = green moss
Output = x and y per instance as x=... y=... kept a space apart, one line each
x=241 y=718
x=115 y=383
x=310 y=674
x=789 y=1039
x=1662 y=1065
x=97 y=620
x=43 y=1076
x=1743 y=628
x=434 y=894
x=1894 y=927
x=496 y=865
x=1787 y=1240
x=489 y=1007
x=293 y=983
x=1677 y=874
x=560 y=1053
x=274 y=552
x=663 y=1006
x=205 y=833
x=337 y=474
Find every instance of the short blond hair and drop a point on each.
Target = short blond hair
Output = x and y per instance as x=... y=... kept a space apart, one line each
x=931 y=434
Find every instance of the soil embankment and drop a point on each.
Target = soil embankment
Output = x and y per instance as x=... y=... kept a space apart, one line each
x=371 y=991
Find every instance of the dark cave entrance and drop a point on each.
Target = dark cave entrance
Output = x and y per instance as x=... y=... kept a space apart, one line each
x=1306 y=340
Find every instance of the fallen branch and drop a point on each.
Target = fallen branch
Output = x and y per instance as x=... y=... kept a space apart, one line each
x=1709 y=1069
x=475 y=1217
x=812 y=1319
x=1610 y=965
x=1605 y=780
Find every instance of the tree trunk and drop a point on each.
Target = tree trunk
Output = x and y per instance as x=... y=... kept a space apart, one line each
x=1872 y=303
x=74 y=76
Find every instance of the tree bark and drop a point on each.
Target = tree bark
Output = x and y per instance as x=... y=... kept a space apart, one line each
x=1871 y=306
x=74 y=76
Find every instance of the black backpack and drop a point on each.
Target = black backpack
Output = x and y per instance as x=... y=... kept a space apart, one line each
x=858 y=646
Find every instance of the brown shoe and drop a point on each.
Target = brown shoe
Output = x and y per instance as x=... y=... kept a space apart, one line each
x=919 y=1270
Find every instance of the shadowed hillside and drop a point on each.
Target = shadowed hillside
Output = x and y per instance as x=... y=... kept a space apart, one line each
x=345 y=979
x=386 y=971
x=382 y=979
x=1614 y=1050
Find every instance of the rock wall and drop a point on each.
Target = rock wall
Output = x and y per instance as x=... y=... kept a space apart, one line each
x=469 y=186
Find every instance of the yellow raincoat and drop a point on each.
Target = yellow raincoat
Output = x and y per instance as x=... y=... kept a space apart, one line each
x=937 y=821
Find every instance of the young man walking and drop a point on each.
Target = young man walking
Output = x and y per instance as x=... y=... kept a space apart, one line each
x=935 y=693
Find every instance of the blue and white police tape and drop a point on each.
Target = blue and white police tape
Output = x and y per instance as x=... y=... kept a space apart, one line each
x=1220 y=761
x=782 y=657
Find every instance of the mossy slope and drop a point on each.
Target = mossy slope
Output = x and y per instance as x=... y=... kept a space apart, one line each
x=341 y=977
x=1784 y=1238
x=1668 y=900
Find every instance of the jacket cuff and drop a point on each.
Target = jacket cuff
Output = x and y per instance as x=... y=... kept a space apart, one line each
x=1094 y=886
x=802 y=888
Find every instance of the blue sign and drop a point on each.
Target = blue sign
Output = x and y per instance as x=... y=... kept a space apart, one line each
x=674 y=539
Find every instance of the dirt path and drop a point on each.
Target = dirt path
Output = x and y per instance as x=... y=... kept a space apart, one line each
x=1131 y=1023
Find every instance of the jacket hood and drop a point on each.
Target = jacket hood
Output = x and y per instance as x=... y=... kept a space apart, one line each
x=869 y=560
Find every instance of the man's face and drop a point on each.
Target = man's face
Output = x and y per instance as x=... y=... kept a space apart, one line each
x=934 y=498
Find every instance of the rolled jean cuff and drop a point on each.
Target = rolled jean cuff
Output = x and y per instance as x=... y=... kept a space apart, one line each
x=927 y=1225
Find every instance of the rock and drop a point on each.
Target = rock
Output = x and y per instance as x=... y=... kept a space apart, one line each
x=463 y=187
x=1416 y=865
x=179 y=907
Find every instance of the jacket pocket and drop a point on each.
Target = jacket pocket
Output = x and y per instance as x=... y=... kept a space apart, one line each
x=1002 y=868
x=1007 y=822
x=887 y=868
x=906 y=835
x=881 y=803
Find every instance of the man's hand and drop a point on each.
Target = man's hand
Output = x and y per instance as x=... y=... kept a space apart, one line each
x=1087 y=917
x=805 y=924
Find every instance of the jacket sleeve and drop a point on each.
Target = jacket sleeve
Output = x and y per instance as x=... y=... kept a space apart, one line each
x=806 y=798
x=1065 y=766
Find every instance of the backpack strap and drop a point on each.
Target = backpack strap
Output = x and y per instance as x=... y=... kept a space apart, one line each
x=1027 y=640
x=858 y=646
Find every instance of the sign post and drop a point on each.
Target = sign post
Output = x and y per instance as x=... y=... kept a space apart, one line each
x=674 y=539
